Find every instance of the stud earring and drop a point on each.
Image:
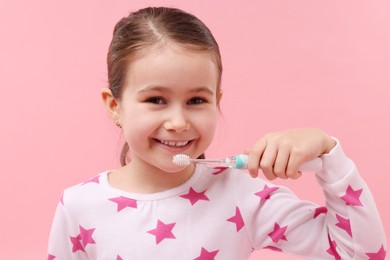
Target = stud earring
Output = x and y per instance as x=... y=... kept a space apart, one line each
x=118 y=124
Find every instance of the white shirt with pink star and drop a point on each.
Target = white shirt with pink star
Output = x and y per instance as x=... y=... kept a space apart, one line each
x=220 y=213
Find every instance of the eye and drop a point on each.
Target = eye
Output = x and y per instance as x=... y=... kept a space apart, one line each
x=196 y=101
x=156 y=100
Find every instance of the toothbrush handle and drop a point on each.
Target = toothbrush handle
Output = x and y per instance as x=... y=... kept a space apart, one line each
x=314 y=165
x=241 y=162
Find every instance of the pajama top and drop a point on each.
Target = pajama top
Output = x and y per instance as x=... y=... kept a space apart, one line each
x=220 y=213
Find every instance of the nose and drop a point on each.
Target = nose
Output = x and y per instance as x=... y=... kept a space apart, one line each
x=177 y=121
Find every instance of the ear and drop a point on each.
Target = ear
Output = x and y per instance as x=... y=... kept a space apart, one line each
x=111 y=104
x=219 y=96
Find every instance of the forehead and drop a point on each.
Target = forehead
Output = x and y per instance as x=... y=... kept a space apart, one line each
x=172 y=65
x=172 y=46
x=170 y=49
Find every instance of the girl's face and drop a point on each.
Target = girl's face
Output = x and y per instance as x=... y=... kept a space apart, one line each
x=169 y=105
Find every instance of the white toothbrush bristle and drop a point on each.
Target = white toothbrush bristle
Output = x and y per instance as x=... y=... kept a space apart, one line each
x=181 y=160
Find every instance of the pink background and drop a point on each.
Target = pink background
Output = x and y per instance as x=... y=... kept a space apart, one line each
x=287 y=64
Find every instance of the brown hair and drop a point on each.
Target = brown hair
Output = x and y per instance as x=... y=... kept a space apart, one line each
x=150 y=27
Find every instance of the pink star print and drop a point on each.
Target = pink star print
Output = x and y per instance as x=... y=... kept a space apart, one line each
x=118 y=257
x=351 y=197
x=332 y=249
x=124 y=202
x=86 y=236
x=92 y=180
x=50 y=257
x=273 y=248
x=83 y=239
x=220 y=169
x=320 y=210
x=206 y=255
x=76 y=244
x=194 y=196
x=162 y=231
x=278 y=233
x=265 y=194
x=237 y=219
x=344 y=224
x=381 y=254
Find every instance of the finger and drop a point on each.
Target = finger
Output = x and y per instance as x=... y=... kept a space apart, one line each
x=292 y=170
x=254 y=155
x=247 y=151
x=267 y=161
x=297 y=175
x=281 y=163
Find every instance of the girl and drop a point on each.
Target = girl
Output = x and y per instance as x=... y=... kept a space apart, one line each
x=164 y=72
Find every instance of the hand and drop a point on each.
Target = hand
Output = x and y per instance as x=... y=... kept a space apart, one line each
x=280 y=154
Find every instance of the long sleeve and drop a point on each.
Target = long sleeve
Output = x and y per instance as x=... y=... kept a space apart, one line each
x=353 y=220
x=64 y=242
x=348 y=227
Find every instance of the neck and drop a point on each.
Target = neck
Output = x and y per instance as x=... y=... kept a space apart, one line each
x=144 y=178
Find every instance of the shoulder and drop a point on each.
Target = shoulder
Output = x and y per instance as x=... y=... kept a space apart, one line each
x=83 y=191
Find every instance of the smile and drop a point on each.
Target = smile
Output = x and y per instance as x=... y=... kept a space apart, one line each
x=173 y=143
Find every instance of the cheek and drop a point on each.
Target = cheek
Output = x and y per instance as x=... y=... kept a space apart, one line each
x=138 y=127
x=207 y=125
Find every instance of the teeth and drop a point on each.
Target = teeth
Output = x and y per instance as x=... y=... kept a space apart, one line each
x=171 y=143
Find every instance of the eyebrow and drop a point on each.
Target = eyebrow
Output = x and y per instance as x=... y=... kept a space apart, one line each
x=165 y=89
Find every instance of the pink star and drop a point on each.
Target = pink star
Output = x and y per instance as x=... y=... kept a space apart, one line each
x=381 y=254
x=332 y=249
x=76 y=244
x=94 y=179
x=206 y=255
x=278 y=233
x=50 y=257
x=351 y=197
x=265 y=194
x=86 y=236
x=237 y=219
x=320 y=210
x=344 y=224
x=124 y=202
x=220 y=169
x=162 y=231
x=273 y=248
x=118 y=257
x=194 y=196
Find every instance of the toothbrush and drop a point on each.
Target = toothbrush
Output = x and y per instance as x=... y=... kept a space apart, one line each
x=239 y=162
